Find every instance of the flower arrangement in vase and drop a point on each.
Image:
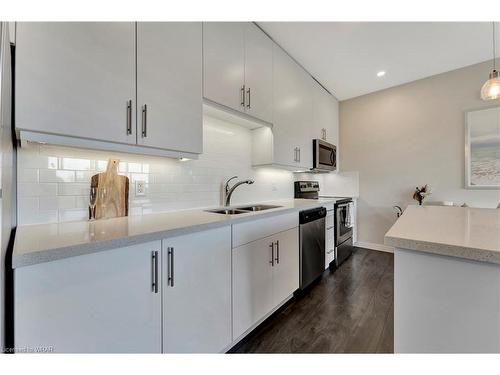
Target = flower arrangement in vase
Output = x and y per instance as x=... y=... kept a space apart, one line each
x=420 y=193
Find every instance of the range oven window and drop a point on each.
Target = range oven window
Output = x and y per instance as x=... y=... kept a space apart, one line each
x=326 y=156
x=344 y=224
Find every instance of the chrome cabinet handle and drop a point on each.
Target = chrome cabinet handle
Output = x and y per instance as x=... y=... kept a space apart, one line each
x=272 y=254
x=242 y=91
x=249 y=94
x=144 y=121
x=296 y=154
x=298 y=149
x=278 y=252
x=155 y=271
x=170 y=267
x=129 y=117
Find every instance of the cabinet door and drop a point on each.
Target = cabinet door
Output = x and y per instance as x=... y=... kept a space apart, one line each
x=292 y=112
x=101 y=303
x=306 y=119
x=325 y=115
x=252 y=284
x=329 y=240
x=169 y=85
x=286 y=267
x=197 y=304
x=224 y=63
x=258 y=73
x=77 y=79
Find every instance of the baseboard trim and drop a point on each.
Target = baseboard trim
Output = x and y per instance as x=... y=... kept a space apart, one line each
x=374 y=246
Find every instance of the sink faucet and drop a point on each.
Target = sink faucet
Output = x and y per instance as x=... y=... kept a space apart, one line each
x=229 y=191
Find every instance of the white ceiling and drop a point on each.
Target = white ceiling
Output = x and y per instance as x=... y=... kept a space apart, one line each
x=346 y=56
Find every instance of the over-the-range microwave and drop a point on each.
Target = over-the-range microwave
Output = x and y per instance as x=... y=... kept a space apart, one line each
x=324 y=156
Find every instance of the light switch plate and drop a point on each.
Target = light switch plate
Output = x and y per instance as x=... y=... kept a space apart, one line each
x=140 y=188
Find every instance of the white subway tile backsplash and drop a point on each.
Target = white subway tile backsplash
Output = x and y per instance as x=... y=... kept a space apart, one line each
x=73 y=215
x=134 y=167
x=82 y=202
x=28 y=175
x=77 y=164
x=54 y=181
x=83 y=176
x=50 y=203
x=40 y=217
x=36 y=189
x=27 y=206
x=73 y=189
x=53 y=175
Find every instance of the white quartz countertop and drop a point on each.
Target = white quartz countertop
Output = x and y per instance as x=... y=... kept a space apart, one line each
x=48 y=242
x=469 y=233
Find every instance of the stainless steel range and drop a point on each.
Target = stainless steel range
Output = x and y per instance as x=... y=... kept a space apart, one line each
x=343 y=219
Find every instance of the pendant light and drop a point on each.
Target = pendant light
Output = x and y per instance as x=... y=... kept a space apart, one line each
x=491 y=88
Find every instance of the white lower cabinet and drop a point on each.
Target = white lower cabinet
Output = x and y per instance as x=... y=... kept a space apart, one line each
x=197 y=292
x=329 y=239
x=252 y=284
x=96 y=303
x=286 y=265
x=265 y=273
x=186 y=294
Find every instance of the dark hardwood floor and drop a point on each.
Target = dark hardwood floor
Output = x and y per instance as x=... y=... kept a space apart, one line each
x=347 y=311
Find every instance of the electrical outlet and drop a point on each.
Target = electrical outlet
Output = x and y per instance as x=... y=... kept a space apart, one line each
x=140 y=188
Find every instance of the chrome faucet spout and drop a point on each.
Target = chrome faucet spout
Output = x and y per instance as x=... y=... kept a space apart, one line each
x=228 y=192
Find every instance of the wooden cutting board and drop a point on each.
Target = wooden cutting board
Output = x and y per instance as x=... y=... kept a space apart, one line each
x=112 y=195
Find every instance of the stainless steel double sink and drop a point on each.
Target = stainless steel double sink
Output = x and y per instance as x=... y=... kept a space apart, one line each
x=242 y=210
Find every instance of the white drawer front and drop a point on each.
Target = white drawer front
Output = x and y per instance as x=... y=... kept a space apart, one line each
x=329 y=221
x=244 y=233
x=329 y=246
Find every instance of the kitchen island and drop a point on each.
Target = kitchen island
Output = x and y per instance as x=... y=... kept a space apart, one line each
x=446 y=280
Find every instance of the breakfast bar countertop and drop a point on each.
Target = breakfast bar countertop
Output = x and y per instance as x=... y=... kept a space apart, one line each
x=48 y=242
x=462 y=232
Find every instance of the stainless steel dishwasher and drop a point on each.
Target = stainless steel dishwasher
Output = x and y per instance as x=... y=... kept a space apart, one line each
x=312 y=245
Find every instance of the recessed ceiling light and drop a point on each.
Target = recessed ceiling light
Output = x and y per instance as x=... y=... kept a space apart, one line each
x=381 y=73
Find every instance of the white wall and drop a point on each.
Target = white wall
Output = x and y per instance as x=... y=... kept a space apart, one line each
x=54 y=181
x=407 y=136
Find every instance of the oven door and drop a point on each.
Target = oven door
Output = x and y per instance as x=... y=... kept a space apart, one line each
x=343 y=222
x=324 y=155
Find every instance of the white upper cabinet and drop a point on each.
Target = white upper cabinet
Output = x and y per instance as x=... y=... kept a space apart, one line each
x=197 y=292
x=238 y=67
x=325 y=115
x=291 y=144
x=224 y=63
x=76 y=79
x=258 y=74
x=111 y=86
x=169 y=85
